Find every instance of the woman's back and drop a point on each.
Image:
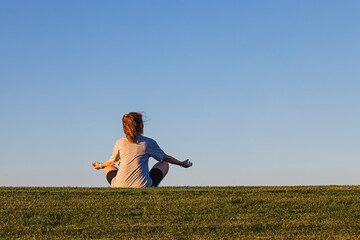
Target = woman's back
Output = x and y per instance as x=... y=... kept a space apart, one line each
x=133 y=159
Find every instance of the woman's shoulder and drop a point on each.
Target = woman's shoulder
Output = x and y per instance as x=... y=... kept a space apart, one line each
x=140 y=140
x=121 y=140
x=148 y=139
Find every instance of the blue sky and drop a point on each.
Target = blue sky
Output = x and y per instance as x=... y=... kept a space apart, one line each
x=253 y=92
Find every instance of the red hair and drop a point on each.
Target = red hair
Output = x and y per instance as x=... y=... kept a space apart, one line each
x=132 y=125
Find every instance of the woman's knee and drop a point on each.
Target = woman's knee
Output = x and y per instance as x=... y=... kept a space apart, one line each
x=109 y=168
x=110 y=173
x=163 y=166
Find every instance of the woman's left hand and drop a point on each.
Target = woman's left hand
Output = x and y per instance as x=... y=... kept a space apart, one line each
x=96 y=165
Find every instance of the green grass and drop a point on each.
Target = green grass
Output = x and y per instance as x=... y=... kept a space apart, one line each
x=316 y=212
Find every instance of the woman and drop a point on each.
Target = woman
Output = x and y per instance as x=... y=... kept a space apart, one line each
x=132 y=153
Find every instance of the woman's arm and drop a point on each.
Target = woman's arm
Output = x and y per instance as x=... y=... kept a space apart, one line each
x=96 y=165
x=173 y=160
x=115 y=157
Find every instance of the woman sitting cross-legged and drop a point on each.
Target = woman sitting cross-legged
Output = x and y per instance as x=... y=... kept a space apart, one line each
x=132 y=153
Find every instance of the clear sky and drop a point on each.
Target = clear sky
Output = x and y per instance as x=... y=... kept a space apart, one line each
x=253 y=92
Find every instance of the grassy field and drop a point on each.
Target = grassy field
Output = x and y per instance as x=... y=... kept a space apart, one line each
x=318 y=212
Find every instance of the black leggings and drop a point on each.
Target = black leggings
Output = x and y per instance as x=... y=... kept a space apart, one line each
x=156 y=175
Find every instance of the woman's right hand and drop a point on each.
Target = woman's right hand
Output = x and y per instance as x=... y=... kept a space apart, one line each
x=186 y=163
